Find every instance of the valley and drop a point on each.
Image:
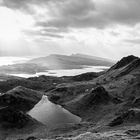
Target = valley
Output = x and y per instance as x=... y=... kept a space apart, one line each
x=107 y=103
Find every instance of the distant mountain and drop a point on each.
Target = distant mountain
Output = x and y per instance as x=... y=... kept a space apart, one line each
x=73 y=61
x=55 y=61
x=91 y=57
x=103 y=100
x=121 y=83
x=123 y=62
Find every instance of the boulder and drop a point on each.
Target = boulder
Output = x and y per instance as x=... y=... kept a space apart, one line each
x=129 y=116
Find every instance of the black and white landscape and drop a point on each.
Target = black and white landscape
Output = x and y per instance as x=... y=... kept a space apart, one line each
x=94 y=105
x=56 y=65
x=69 y=70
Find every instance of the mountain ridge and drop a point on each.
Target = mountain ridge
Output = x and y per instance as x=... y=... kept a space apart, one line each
x=55 y=62
x=107 y=102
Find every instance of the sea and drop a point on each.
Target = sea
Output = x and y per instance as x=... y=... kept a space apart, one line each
x=58 y=73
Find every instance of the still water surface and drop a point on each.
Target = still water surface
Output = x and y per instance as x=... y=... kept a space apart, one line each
x=65 y=72
x=52 y=115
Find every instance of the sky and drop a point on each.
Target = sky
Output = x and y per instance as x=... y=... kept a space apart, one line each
x=104 y=28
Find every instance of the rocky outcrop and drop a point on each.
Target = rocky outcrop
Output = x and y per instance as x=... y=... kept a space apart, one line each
x=130 y=116
x=136 y=102
x=130 y=67
x=20 y=98
x=123 y=62
x=97 y=96
x=32 y=138
x=109 y=100
x=89 y=102
x=66 y=92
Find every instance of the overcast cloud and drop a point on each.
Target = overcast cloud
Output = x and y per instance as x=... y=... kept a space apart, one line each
x=107 y=23
x=81 y=13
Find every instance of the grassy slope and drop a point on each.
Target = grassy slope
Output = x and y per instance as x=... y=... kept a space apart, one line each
x=122 y=85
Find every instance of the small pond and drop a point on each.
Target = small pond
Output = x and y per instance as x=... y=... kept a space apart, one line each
x=51 y=114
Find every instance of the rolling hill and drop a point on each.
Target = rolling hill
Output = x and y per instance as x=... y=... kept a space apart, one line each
x=108 y=103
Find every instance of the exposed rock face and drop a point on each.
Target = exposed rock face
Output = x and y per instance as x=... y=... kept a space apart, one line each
x=89 y=103
x=109 y=100
x=132 y=66
x=54 y=98
x=66 y=92
x=136 y=102
x=97 y=96
x=123 y=62
x=130 y=116
x=32 y=138
x=133 y=132
x=20 y=98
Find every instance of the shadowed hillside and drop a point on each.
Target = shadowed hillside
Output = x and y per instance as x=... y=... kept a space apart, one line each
x=20 y=98
x=107 y=102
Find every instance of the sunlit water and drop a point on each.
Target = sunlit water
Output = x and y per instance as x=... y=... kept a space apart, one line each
x=12 y=60
x=67 y=72
x=59 y=73
x=52 y=115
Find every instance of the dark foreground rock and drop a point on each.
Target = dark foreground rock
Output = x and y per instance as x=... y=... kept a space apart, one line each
x=20 y=98
x=97 y=96
x=123 y=62
x=109 y=105
x=31 y=138
x=133 y=132
x=11 y=118
x=130 y=116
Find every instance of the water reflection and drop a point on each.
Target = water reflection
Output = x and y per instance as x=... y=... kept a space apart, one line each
x=52 y=115
x=65 y=72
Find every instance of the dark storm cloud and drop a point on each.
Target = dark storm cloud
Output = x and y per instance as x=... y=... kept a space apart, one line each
x=123 y=12
x=71 y=13
x=89 y=13
x=83 y=13
x=17 y=4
